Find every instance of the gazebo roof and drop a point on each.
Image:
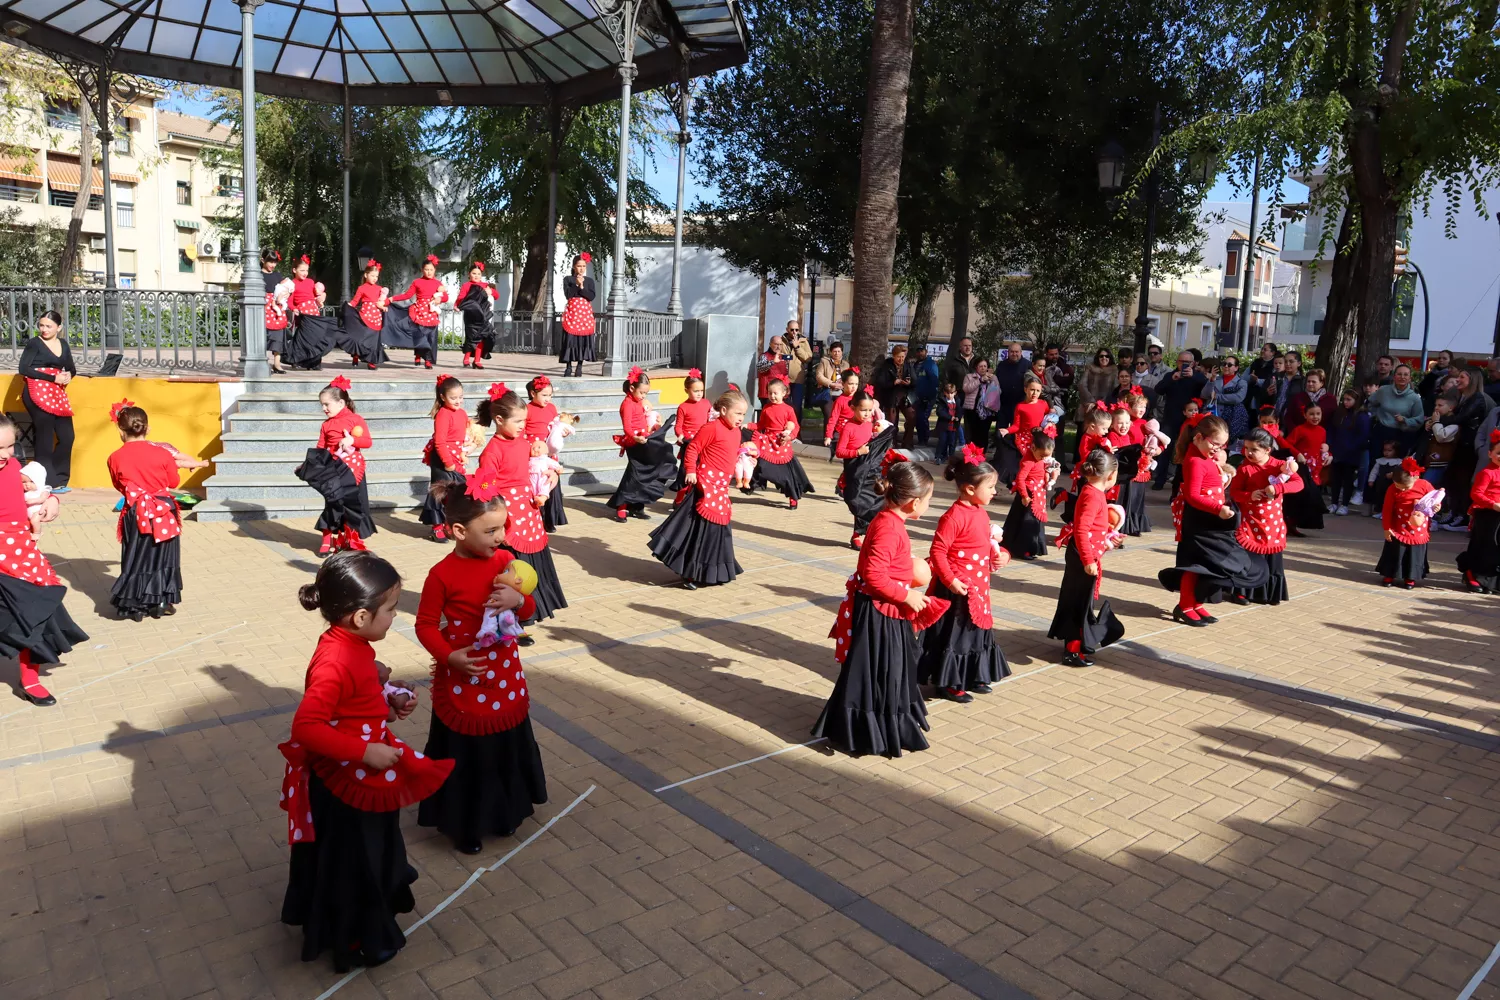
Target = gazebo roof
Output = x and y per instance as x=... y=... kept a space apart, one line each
x=392 y=52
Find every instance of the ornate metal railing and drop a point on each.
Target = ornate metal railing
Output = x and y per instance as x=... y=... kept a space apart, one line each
x=652 y=340
x=152 y=329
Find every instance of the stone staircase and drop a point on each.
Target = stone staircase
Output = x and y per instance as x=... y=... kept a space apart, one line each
x=276 y=421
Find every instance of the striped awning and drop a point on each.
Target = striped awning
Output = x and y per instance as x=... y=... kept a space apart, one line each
x=20 y=168
x=186 y=224
x=63 y=175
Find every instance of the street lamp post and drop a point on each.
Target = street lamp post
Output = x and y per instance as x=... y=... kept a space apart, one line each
x=814 y=273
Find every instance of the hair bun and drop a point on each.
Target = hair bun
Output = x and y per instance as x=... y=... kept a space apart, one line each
x=307 y=594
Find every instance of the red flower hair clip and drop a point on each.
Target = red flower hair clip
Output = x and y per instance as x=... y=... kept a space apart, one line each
x=1050 y=430
x=483 y=488
x=541 y=382
x=1119 y=406
x=1495 y=437
x=497 y=389
x=1100 y=404
x=442 y=378
x=432 y=259
x=373 y=265
x=695 y=373
x=340 y=382
x=478 y=266
x=1409 y=465
x=892 y=457
x=634 y=377
x=306 y=260
x=1194 y=420
x=1198 y=400
x=586 y=257
x=733 y=387
x=114 y=410
x=1136 y=390
x=853 y=368
x=973 y=454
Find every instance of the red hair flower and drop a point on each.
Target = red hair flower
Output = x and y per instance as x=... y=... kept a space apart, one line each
x=634 y=377
x=541 y=382
x=443 y=377
x=1495 y=437
x=853 y=368
x=733 y=387
x=114 y=410
x=1409 y=465
x=1198 y=400
x=1136 y=390
x=497 y=389
x=1051 y=431
x=478 y=266
x=973 y=454
x=340 y=382
x=586 y=257
x=373 y=265
x=483 y=488
x=432 y=259
x=306 y=260
x=892 y=457
x=695 y=373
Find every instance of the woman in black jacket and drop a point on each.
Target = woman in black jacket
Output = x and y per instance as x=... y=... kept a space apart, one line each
x=47 y=366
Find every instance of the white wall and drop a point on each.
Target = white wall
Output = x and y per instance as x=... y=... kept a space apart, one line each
x=1463 y=276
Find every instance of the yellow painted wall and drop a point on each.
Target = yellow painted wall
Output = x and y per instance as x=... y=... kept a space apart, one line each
x=185 y=414
x=670 y=391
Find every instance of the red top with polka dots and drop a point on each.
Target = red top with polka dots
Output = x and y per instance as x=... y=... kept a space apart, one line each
x=331 y=434
x=19 y=556
x=1031 y=484
x=1307 y=442
x=495 y=699
x=853 y=437
x=304 y=297
x=1202 y=484
x=342 y=711
x=1086 y=448
x=691 y=416
x=423 y=312
x=366 y=301
x=1400 y=505
x=507 y=458
x=775 y=418
x=1262 y=527
x=539 y=420
x=1027 y=419
x=961 y=551
x=711 y=456
x=145 y=474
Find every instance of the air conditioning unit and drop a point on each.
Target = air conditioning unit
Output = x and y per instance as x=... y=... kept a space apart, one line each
x=97 y=243
x=208 y=248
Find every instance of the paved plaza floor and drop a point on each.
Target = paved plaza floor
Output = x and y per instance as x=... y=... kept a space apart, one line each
x=1299 y=802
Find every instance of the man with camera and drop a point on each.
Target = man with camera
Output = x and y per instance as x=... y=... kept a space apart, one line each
x=1175 y=390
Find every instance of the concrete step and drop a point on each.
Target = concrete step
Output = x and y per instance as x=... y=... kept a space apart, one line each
x=307 y=424
x=285 y=486
x=276 y=509
x=389 y=402
x=408 y=443
x=378 y=461
x=474 y=385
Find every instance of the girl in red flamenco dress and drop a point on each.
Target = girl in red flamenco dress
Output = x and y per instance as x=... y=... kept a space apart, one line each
x=696 y=541
x=150 y=526
x=369 y=302
x=345 y=435
x=775 y=431
x=427 y=295
x=444 y=453
x=1257 y=489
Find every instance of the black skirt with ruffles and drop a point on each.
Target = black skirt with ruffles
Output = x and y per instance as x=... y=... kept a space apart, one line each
x=1024 y=534
x=150 y=571
x=788 y=477
x=860 y=474
x=1482 y=557
x=1274 y=590
x=576 y=348
x=1007 y=458
x=956 y=653
x=359 y=339
x=876 y=706
x=1305 y=509
x=554 y=514
x=432 y=511
x=346 y=503
x=1399 y=561
x=1133 y=499
x=315 y=337
x=695 y=548
x=649 y=469
x=548 y=594
x=1210 y=550
x=32 y=617
x=1079 y=616
x=497 y=782
x=346 y=887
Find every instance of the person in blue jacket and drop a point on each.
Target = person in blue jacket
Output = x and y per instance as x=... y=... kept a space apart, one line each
x=1348 y=443
x=924 y=390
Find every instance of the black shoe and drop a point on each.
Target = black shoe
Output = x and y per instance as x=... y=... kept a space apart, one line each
x=1075 y=660
x=154 y=611
x=1206 y=618
x=525 y=640
x=1028 y=557
x=948 y=694
x=640 y=515
x=981 y=689
x=1239 y=599
x=39 y=700
x=468 y=846
x=1158 y=487
x=134 y=616
x=370 y=959
x=1409 y=584
x=169 y=609
x=689 y=585
x=1178 y=615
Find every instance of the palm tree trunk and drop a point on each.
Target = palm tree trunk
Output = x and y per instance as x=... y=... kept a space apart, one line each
x=875 y=216
x=69 y=262
x=961 y=264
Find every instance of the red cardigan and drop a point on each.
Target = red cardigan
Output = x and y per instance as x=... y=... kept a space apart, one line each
x=885 y=564
x=449 y=429
x=1485 y=492
x=1400 y=504
x=691 y=417
x=852 y=437
x=711 y=456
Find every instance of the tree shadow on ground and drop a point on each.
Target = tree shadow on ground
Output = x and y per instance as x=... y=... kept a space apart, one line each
x=90 y=578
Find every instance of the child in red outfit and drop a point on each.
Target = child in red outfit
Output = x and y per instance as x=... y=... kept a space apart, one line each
x=839 y=415
x=863 y=453
x=695 y=541
x=427 y=295
x=775 y=431
x=959 y=654
x=1096 y=424
x=1014 y=442
x=1257 y=488
x=876 y=706
x=692 y=414
x=1084 y=626
x=368 y=303
x=1404 y=556
x=650 y=466
x=348 y=776
x=1480 y=562
x=444 y=453
x=1026 y=524
x=150 y=526
x=541 y=415
x=1308 y=443
x=345 y=521
x=481 y=712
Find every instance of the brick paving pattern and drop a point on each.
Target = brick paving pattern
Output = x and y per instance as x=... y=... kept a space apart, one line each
x=1150 y=827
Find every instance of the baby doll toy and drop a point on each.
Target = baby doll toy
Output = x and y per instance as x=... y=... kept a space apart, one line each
x=504 y=626
x=1427 y=506
x=1155 y=441
x=744 y=466
x=997 y=549
x=1116 y=514
x=537 y=468
x=564 y=427
x=398 y=694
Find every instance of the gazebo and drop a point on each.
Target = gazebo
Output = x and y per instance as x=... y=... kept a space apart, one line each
x=393 y=52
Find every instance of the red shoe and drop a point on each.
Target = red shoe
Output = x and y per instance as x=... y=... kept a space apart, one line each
x=353 y=541
x=327 y=545
x=439 y=533
x=1386 y=581
x=371 y=367
x=416 y=362
x=791 y=505
x=621 y=514
x=478 y=364
x=427 y=364
x=467 y=359
x=856 y=541
x=354 y=359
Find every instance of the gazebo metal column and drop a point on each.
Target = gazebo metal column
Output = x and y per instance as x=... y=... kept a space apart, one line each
x=345 y=162
x=252 y=287
x=620 y=16
x=549 y=310
x=684 y=104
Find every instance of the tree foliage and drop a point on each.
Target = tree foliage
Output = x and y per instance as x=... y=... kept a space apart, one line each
x=28 y=253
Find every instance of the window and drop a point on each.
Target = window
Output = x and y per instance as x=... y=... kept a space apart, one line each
x=67 y=199
x=184 y=193
x=187 y=251
x=124 y=205
x=1179 y=333
x=230 y=186
x=1233 y=267
x=125 y=263
x=11 y=190
x=1206 y=334
x=123 y=128
x=62 y=114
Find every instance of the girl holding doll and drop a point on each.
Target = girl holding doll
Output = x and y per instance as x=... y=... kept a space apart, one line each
x=444 y=453
x=339 y=473
x=1083 y=621
x=775 y=431
x=863 y=453
x=692 y=414
x=368 y=305
x=150 y=525
x=1026 y=524
x=1257 y=489
x=540 y=416
x=849 y=382
x=695 y=541
x=1403 y=558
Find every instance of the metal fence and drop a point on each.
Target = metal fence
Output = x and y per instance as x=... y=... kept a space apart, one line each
x=652 y=340
x=152 y=329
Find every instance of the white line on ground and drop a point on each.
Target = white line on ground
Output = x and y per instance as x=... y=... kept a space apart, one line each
x=474 y=877
x=1484 y=970
x=141 y=663
x=731 y=767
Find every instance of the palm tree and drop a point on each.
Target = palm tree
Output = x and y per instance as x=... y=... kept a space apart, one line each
x=875 y=215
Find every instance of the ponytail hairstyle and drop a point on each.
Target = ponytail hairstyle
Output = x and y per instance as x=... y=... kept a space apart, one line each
x=339 y=389
x=904 y=482
x=1098 y=464
x=637 y=377
x=967 y=466
x=269 y=256
x=349 y=581
x=461 y=504
x=444 y=384
x=694 y=377
x=728 y=398
x=501 y=404
x=1098 y=415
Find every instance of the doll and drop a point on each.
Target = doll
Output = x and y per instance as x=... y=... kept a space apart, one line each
x=504 y=626
x=1155 y=441
x=564 y=427
x=538 y=468
x=1115 y=538
x=398 y=694
x=1427 y=506
x=744 y=466
x=474 y=440
x=997 y=549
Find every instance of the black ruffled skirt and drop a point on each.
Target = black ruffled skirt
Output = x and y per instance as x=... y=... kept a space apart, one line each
x=1274 y=590
x=1399 y=561
x=649 y=468
x=432 y=511
x=1024 y=533
x=32 y=617
x=695 y=548
x=359 y=339
x=554 y=514
x=860 y=474
x=956 y=653
x=1078 y=616
x=788 y=477
x=1007 y=459
x=548 y=594
x=316 y=336
x=1482 y=557
x=1210 y=550
x=497 y=782
x=576 y=348
x=150 y=572
x=1305 y=508
x=350 y=511
x=876 y=706
x=1133 y=499
x=679 y=481
x=346 y=503
x=347 y=886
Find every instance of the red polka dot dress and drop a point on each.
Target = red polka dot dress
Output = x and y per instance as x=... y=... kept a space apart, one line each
x=525 y=534
x=427 y=296
x=778 y=466
x=349 y=874
x=959 y=651
x=481 y=717
x=46 y=402
x=1262 y=530
x=696 y=541
x=1210 y=558
x=348 y=516
x=1404 y=555
x=34 y=625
